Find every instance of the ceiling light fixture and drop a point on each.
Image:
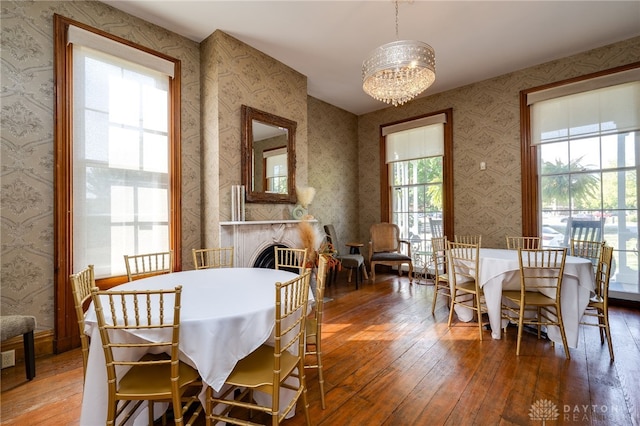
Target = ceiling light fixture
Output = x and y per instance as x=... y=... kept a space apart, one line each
x=397 y=72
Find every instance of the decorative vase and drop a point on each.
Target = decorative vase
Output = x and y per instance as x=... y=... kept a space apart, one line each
x=298 y=212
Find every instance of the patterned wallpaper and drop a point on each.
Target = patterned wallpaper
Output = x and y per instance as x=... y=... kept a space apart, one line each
x=335 y=149
x=486 y=127
x=333 y=171
x=235 y=74
x=27 y=141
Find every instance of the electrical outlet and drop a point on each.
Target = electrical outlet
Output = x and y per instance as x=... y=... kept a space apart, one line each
x=8 y=358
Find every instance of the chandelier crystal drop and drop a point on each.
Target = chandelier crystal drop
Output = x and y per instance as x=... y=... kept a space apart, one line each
x=397 y=72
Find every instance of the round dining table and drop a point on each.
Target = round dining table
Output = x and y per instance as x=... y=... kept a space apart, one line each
x=499 y=269
x=225 y=314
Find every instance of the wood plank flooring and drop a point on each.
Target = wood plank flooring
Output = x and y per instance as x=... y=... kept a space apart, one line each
x=388 y=361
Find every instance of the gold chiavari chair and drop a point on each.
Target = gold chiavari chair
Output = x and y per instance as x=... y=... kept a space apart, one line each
x=148 y=264
x=540 y=289
x=213 y=258
x=132 y=376
x=290 y=259
x=313 y=326
x=440 y=276
x=81 y=284
x=598 y=306
x=463 y=273
x=527 y=243
x=267 y=368
x=468 y=239
x=587 y=249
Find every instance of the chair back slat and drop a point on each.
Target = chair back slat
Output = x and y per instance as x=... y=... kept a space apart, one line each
x=148 y=264
x=587 y=249
x=292 y=299
x=463 y=259
x=290 y=259
x=213 y=258
x=468 y=239
x=81 y=284
x=541 y=270
x=527 y=243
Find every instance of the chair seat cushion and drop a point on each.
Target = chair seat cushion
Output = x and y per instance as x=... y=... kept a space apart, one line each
x=530 y=298
x=390 y=257
x=351 y=260
x=256 y=369
x=16 y=325
x=155 y=379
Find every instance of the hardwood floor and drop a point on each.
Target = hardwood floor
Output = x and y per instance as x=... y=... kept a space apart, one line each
x=388 y=361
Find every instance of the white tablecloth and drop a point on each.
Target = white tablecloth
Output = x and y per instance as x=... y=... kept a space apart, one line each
x=499 y=270
x=225 y=315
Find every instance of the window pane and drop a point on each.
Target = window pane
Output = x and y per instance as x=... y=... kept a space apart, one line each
x=620 y=189
x=121 y=161
x=554 y=157
x=618 y=151
x=585 y=191
x=124 y=148
x=152 y=205
x=585 y=153
x=155 y=153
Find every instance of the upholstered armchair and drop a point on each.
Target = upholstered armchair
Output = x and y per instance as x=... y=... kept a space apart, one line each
x=385 y=248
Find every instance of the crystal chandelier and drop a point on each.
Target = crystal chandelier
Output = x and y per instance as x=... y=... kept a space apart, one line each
x=397 y=72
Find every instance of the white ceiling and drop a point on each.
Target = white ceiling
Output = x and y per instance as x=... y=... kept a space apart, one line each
x=328 y=40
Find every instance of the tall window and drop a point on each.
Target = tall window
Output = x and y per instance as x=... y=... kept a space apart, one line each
x=117 y=157
x=120 y=161
x=587 y=140
x=415 y=158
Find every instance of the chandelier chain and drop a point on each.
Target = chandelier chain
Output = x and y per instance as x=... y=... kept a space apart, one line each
x=397 y=36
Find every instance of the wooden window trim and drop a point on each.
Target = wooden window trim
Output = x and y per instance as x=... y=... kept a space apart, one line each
x=66 y=334
x=529 y=153
x=447 y=172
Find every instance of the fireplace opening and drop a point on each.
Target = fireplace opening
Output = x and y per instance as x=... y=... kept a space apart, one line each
x=267 y=257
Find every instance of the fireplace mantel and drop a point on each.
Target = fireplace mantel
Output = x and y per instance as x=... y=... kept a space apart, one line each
x=249 y=238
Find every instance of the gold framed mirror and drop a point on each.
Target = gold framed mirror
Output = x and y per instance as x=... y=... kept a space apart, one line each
x=268 y=157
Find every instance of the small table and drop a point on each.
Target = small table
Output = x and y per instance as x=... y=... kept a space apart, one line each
x=354 y=248
x=499 y=270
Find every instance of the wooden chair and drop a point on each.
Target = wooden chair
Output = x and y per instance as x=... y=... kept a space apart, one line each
x=313 y=327
x=527 y=243
x=351 y=261
x=213 y=258
x=81 y=284
x=598 y=306
x=540 y=289
x=463 y=261
x=468 y=239
x=441 y=279
x=267 y=368
x=290 y=259
x=587 y=249
x=146 y=265
x=437 y=229
x=385 y=248
x=586 y=230
x=131 y=376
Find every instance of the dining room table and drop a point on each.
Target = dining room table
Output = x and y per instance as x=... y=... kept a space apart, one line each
x=499 y=269
x=226 y=313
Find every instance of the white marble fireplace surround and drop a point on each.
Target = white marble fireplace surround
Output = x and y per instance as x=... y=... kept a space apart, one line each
x=250 y=238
